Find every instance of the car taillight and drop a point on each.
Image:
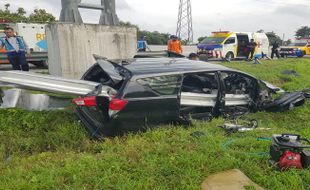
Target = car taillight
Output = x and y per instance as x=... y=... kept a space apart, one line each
x=117 y=104
x=85 y=101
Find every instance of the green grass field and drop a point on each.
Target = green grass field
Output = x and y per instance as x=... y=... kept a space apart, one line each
x=51 y=150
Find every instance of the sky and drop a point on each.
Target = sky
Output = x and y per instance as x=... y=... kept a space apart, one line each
x=280 y=16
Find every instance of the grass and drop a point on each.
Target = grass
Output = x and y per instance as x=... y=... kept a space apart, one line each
x=51 y=150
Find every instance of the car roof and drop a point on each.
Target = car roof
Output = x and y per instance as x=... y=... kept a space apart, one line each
x=151 y=66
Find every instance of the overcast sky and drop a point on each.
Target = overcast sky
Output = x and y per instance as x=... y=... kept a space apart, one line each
x=280 y=16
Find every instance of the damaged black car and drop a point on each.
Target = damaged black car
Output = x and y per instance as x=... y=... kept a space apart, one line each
x=151 y=92
x=132 y=95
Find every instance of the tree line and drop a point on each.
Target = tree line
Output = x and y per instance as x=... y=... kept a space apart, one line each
x=20 y=15
x=154 y=38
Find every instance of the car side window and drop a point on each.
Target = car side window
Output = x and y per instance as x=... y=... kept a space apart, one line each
x=205 y=83
x=231 y=40
x=237 y=83
x=162 y=85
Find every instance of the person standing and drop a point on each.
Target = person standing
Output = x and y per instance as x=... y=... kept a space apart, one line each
x=142 y=45
x=275 y=50
x=251 y=49
x=16 y=49
x=175 y=45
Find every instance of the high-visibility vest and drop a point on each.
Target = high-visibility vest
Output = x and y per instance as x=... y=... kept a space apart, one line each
x=141 y=45
x=10 y=49
x=175 y=46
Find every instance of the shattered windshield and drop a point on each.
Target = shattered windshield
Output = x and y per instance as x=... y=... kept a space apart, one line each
x=298 y=44
x=213 y=40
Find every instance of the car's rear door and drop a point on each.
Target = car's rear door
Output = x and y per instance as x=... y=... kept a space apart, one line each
x=152 y=100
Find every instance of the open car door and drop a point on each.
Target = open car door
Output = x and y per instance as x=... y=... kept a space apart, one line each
x=200 y=95
x=239 y=93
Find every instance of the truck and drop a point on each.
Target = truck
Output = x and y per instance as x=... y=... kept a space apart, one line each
x=34 y=36
x=298 y=48
x=233 y=45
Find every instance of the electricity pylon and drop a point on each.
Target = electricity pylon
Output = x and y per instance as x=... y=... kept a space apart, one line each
x=185 y=22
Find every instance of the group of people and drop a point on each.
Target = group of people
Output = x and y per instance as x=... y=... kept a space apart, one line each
x=16 y=49
x=175 y=47
x=252 y=45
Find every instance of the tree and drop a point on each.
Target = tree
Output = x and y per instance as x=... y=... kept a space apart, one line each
x=286 y=43
x=155 y=38
x=303 y=32
x=128 y=24
x=200 y=39
x=7 y=6
x=152 y=38
x=21 y=11
x=260 y=31
x=38 y=15
x=273 y=37
x=7 y=16
x=41 y=16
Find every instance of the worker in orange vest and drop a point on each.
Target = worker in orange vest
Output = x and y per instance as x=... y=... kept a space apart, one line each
x=175 y=45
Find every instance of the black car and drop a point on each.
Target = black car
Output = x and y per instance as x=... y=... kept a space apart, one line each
x=129 y=95
x=154 y=91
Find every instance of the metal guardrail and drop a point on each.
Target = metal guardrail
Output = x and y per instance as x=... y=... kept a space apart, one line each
x=48 y=83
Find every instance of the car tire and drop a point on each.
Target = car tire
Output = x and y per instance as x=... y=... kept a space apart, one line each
x=303 y=53
x=229 y=56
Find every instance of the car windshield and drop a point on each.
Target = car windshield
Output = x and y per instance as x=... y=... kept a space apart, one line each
x=298 y=44
x=213 y=40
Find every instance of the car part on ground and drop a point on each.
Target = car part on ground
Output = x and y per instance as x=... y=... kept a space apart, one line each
x=290 y=151
x=287 y=101
x=237 y=125
x=119 y=96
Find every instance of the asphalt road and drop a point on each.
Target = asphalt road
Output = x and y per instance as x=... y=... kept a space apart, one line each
x=33 y=68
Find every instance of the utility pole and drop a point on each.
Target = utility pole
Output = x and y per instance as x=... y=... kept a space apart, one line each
x=185 y=22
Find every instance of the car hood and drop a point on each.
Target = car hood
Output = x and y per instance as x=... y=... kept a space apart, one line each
x=209 y=46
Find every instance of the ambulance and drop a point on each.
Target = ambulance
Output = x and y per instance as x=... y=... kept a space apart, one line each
x=34 y=36
x=233 y=45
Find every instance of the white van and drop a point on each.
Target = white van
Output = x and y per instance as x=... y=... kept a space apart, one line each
x=33 y=34
x=231 y=45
